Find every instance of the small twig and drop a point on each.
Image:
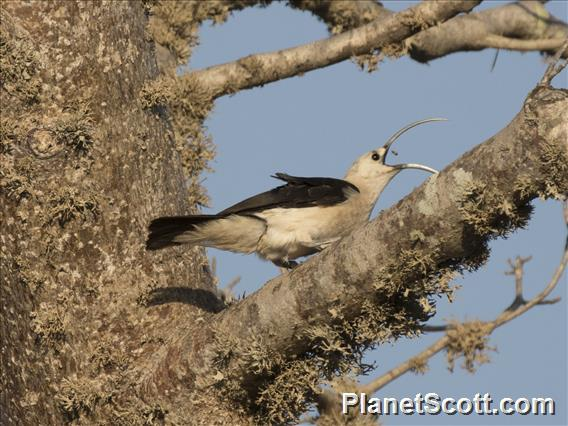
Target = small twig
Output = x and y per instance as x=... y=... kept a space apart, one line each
x=226 y=294
x=550 y=301
x=495 y=60
x=406 y=366
x=233 y=283
x=517 y=271
x=556 y=65
x=436 y=328
x=508 y=43
x=519 y=300
x=509 y=315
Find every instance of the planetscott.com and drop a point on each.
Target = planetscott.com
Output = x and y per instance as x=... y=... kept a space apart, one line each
x=433 y=404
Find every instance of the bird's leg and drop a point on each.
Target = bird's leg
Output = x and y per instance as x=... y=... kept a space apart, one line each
x=285 y=265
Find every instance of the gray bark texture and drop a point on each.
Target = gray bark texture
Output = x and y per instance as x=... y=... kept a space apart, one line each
x=96 y=330
x=84 y=169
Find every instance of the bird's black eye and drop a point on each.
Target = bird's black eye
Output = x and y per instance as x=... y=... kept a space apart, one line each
x=375 y=156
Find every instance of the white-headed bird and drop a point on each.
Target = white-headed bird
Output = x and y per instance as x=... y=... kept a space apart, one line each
x=299 y=218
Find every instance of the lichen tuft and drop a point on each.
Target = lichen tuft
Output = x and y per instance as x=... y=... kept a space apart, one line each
x=78 y=398
x=488 y=213
x=48 y=324
x=19 y=64
x=68 y=205
x=75 y=127
x=554 y=165
x=470 y=341
x=189 y=103
x=14 y=185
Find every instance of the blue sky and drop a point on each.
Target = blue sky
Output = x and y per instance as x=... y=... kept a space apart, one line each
x=316 y=125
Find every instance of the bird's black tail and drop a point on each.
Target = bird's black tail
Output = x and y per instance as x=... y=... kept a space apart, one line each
x=163 y=230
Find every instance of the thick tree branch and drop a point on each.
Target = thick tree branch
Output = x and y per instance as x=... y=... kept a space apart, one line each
x=385 y=271
x=376 y=284
x=507 y=170
x=517 y=26
x=256 y=70
x=522 y=26
x=343 y=15
x=329 y=402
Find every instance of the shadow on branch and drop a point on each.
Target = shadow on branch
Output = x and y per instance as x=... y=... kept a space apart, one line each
x=203 y=299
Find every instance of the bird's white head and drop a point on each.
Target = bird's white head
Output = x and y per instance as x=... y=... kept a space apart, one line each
x=371 y=174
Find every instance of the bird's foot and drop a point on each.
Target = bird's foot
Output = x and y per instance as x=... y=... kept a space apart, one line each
x=292 y=264
x=285 y=265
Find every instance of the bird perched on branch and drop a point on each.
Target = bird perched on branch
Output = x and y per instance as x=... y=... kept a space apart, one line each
x=299 y=218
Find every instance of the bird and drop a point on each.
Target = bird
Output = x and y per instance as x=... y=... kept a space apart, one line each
x=302 y=217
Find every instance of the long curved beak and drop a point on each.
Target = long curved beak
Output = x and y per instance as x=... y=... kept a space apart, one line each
x=415 y=166
x=394 y=137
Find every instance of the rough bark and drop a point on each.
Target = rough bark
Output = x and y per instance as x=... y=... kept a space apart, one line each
x=84 y=168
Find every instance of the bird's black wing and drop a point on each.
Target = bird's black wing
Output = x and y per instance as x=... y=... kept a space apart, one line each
x=298 y=192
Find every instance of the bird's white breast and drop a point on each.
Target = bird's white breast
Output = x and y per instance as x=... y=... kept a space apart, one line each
x=295 y=232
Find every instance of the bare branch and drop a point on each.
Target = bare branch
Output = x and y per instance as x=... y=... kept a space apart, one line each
x=508 y=43
x=519 y=26
x=550 y=301
x=524 y=27
x=256 y=70
x=510 y=314
x=436 y=328
x=528 y=27
x=516 y=309
x=517 y=271
x=226 y=294
x=406 y=366
x=556 y=65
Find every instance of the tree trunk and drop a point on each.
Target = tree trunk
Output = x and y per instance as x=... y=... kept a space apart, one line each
x=96 y=330
x=84 y=169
